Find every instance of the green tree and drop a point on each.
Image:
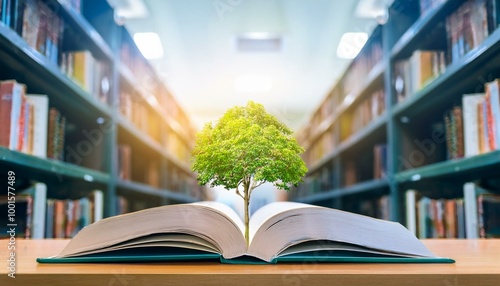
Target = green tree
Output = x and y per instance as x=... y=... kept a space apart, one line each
x=245 y=148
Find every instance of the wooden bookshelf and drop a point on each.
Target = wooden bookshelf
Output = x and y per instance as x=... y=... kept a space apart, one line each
x=93 y=29
x=404 y=121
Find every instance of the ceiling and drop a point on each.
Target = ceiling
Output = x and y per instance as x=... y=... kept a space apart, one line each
x=201 y=62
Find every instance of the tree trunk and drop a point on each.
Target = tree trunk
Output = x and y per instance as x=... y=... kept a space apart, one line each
x=247 y=215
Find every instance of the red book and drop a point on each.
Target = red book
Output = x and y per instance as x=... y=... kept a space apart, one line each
x=21 y=124
x=11 y=94
x=490 y=122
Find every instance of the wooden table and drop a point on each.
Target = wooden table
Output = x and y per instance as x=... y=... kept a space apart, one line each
x=477 y=263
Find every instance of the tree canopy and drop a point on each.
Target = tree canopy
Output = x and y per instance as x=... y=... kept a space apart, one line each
x=245 y=148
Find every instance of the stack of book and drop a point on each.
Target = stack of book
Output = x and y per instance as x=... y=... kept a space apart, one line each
x=40 y=26
x=447 y=218
x=468 y=26
x=474 y=128
x=91 y=74
x=368 y=110
x=39 y=217
x=413 y=74
x=28 y=124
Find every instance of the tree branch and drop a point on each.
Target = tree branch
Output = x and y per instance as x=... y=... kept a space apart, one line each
x=255 y=184
x=238 y=193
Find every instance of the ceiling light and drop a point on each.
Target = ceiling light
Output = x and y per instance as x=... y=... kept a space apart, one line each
x=351 y=44
x=253 y=83
x=129 y=9
x=149 y=44
x=259 y=42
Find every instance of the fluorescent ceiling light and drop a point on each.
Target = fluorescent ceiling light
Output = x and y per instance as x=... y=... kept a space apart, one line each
x=259 y=42
x=149 y=44
x=129 y=9
x=253 y=83
x=351 y=44
x=259 y=35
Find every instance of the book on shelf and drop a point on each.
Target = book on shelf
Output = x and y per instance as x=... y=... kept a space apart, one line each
x=469 y=25
x=64 y=218
x=90 y=73
x=40 y=27
x=12 y=100
x=29 y=124
x=367 y=110
x=481 y=117
x=40 y=103
x=56 y=134
x=350 y=173
x=29 y=206
x=38 y=216
x=379 y=161
x=414 y=73
x=492 y=99
x=23 y=205
x=454 y=133
x=475 y=215
x=279 y=232
x=125 y=162
x=470 y=112
x=489 y=215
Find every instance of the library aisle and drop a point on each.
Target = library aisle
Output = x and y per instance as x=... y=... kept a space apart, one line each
x=395 y=103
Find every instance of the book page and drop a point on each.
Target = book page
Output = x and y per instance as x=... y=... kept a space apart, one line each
x=296 y=224
x=211 y=222
x=270 y=210
x=225 y=209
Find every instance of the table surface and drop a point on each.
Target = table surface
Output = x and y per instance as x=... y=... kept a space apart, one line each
x=477 y=263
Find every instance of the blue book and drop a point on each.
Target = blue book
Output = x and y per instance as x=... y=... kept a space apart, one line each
x=211 y=231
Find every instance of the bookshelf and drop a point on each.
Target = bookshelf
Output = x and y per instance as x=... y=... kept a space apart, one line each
x=405 y=145
x=124 y=133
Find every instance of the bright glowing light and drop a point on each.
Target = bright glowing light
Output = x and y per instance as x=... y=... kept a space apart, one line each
x=351 y=44
x=149 y=44
x=253 y=83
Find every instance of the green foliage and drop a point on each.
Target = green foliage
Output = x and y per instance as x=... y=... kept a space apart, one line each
x=246 y=148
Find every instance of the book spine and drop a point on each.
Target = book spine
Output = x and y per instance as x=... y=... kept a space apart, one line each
x=460 y=218
x=450 y=213
x=21 y=131
x=471 y=124
x=15 y=118
x=40 y=123
x=494 y=98
x=411 y=216
x=39 y=211
x=490 y=123
x=423 y=217
x=49 y=219
x=5 y=112
x=485 y=131
x=471 y=212
x=459 y=131
x=98 y=200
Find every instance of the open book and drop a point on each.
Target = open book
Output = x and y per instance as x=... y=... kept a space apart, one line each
x=282 y=231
